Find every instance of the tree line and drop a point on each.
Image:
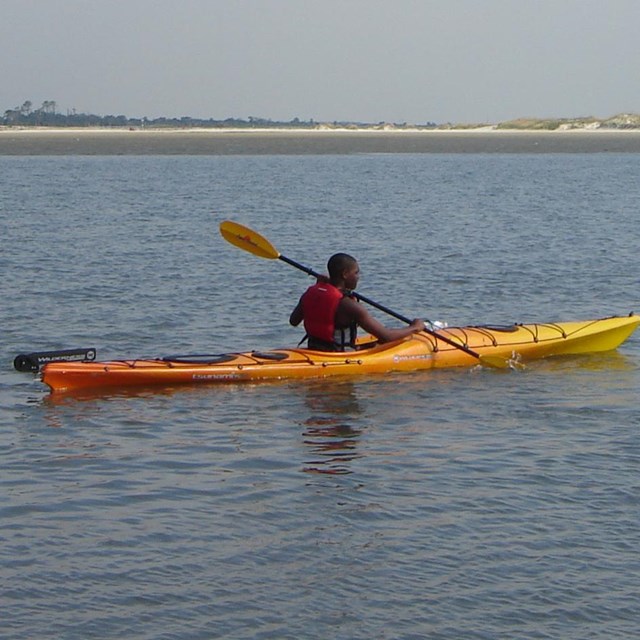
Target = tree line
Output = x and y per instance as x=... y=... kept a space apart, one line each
x=47 y=115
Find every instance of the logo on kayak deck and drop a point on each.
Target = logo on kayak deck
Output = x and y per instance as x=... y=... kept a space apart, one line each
x=216 y=376
x=419 y=356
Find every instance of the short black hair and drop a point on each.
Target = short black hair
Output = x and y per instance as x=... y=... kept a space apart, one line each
x=338 y=262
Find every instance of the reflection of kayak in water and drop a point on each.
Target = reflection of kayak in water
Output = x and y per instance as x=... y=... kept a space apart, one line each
x=433 y=350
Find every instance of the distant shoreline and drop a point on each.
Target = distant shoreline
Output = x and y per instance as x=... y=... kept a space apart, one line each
x=20 y=130
x=319 y=141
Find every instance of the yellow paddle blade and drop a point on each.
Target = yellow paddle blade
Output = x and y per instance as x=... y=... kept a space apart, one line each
x=247 y=239
x=496 y=362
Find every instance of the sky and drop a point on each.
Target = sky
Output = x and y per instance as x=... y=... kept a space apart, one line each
x=413 y=61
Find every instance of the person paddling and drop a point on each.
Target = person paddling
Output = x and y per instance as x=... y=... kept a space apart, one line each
x=332 y=316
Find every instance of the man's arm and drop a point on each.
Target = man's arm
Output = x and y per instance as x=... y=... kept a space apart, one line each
x=296 y=316
x=350 y=311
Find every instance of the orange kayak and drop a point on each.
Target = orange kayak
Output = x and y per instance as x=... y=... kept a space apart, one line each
x=513 y=343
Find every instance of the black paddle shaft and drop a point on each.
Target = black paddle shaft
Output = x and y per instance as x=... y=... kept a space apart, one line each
x=357 y=295
x=384 y=309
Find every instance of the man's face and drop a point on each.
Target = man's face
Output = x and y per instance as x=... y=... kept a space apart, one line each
x=351 y=276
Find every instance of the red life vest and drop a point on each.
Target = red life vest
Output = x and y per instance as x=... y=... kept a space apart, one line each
x=319 y=305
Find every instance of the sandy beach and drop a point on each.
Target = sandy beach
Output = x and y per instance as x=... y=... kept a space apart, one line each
x=100 y=141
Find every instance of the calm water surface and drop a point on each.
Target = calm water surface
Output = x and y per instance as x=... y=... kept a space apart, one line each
x=454 y=504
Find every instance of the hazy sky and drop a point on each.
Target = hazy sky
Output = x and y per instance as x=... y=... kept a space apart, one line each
x=360 y=60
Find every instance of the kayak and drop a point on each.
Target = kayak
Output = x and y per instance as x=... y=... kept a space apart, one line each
x=440 y=348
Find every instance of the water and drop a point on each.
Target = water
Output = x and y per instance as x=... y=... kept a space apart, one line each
x=449 y=504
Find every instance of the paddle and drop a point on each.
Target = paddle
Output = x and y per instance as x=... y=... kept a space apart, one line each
x=251 y=241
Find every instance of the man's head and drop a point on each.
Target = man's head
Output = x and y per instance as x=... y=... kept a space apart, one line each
x=344 y=270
